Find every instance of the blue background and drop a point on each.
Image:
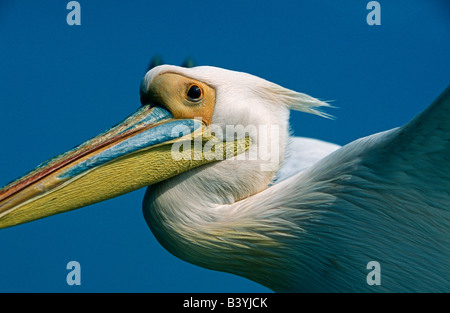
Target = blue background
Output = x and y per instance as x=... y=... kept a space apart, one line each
x=61 y=85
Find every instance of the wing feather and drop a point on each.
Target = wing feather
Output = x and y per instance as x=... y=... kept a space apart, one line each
x=382 y=198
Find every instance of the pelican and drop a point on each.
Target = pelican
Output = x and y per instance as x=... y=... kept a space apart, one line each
x=291 y=213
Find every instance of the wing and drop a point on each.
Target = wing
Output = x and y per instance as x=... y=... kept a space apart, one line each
x=301 y=153
x=383 y=198
x=415 y=156
x=409 y=163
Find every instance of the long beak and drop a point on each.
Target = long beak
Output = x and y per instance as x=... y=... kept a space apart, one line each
x=134 y=154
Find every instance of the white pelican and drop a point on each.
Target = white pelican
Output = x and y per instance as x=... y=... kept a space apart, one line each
x=314 y=227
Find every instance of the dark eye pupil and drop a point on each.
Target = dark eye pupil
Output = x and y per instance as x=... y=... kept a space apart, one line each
x=194 y=92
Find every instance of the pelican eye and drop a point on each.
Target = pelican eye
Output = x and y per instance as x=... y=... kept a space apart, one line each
x=194 y=93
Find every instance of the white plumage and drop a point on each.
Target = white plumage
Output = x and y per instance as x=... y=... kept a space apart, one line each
x=383 y=198
x=302 y=153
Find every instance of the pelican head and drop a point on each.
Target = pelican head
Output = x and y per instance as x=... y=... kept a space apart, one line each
x=178 y=104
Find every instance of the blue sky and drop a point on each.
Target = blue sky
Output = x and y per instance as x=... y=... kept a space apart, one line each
x=61 y=85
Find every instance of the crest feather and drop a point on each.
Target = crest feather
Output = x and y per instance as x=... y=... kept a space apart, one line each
x=299 y=101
